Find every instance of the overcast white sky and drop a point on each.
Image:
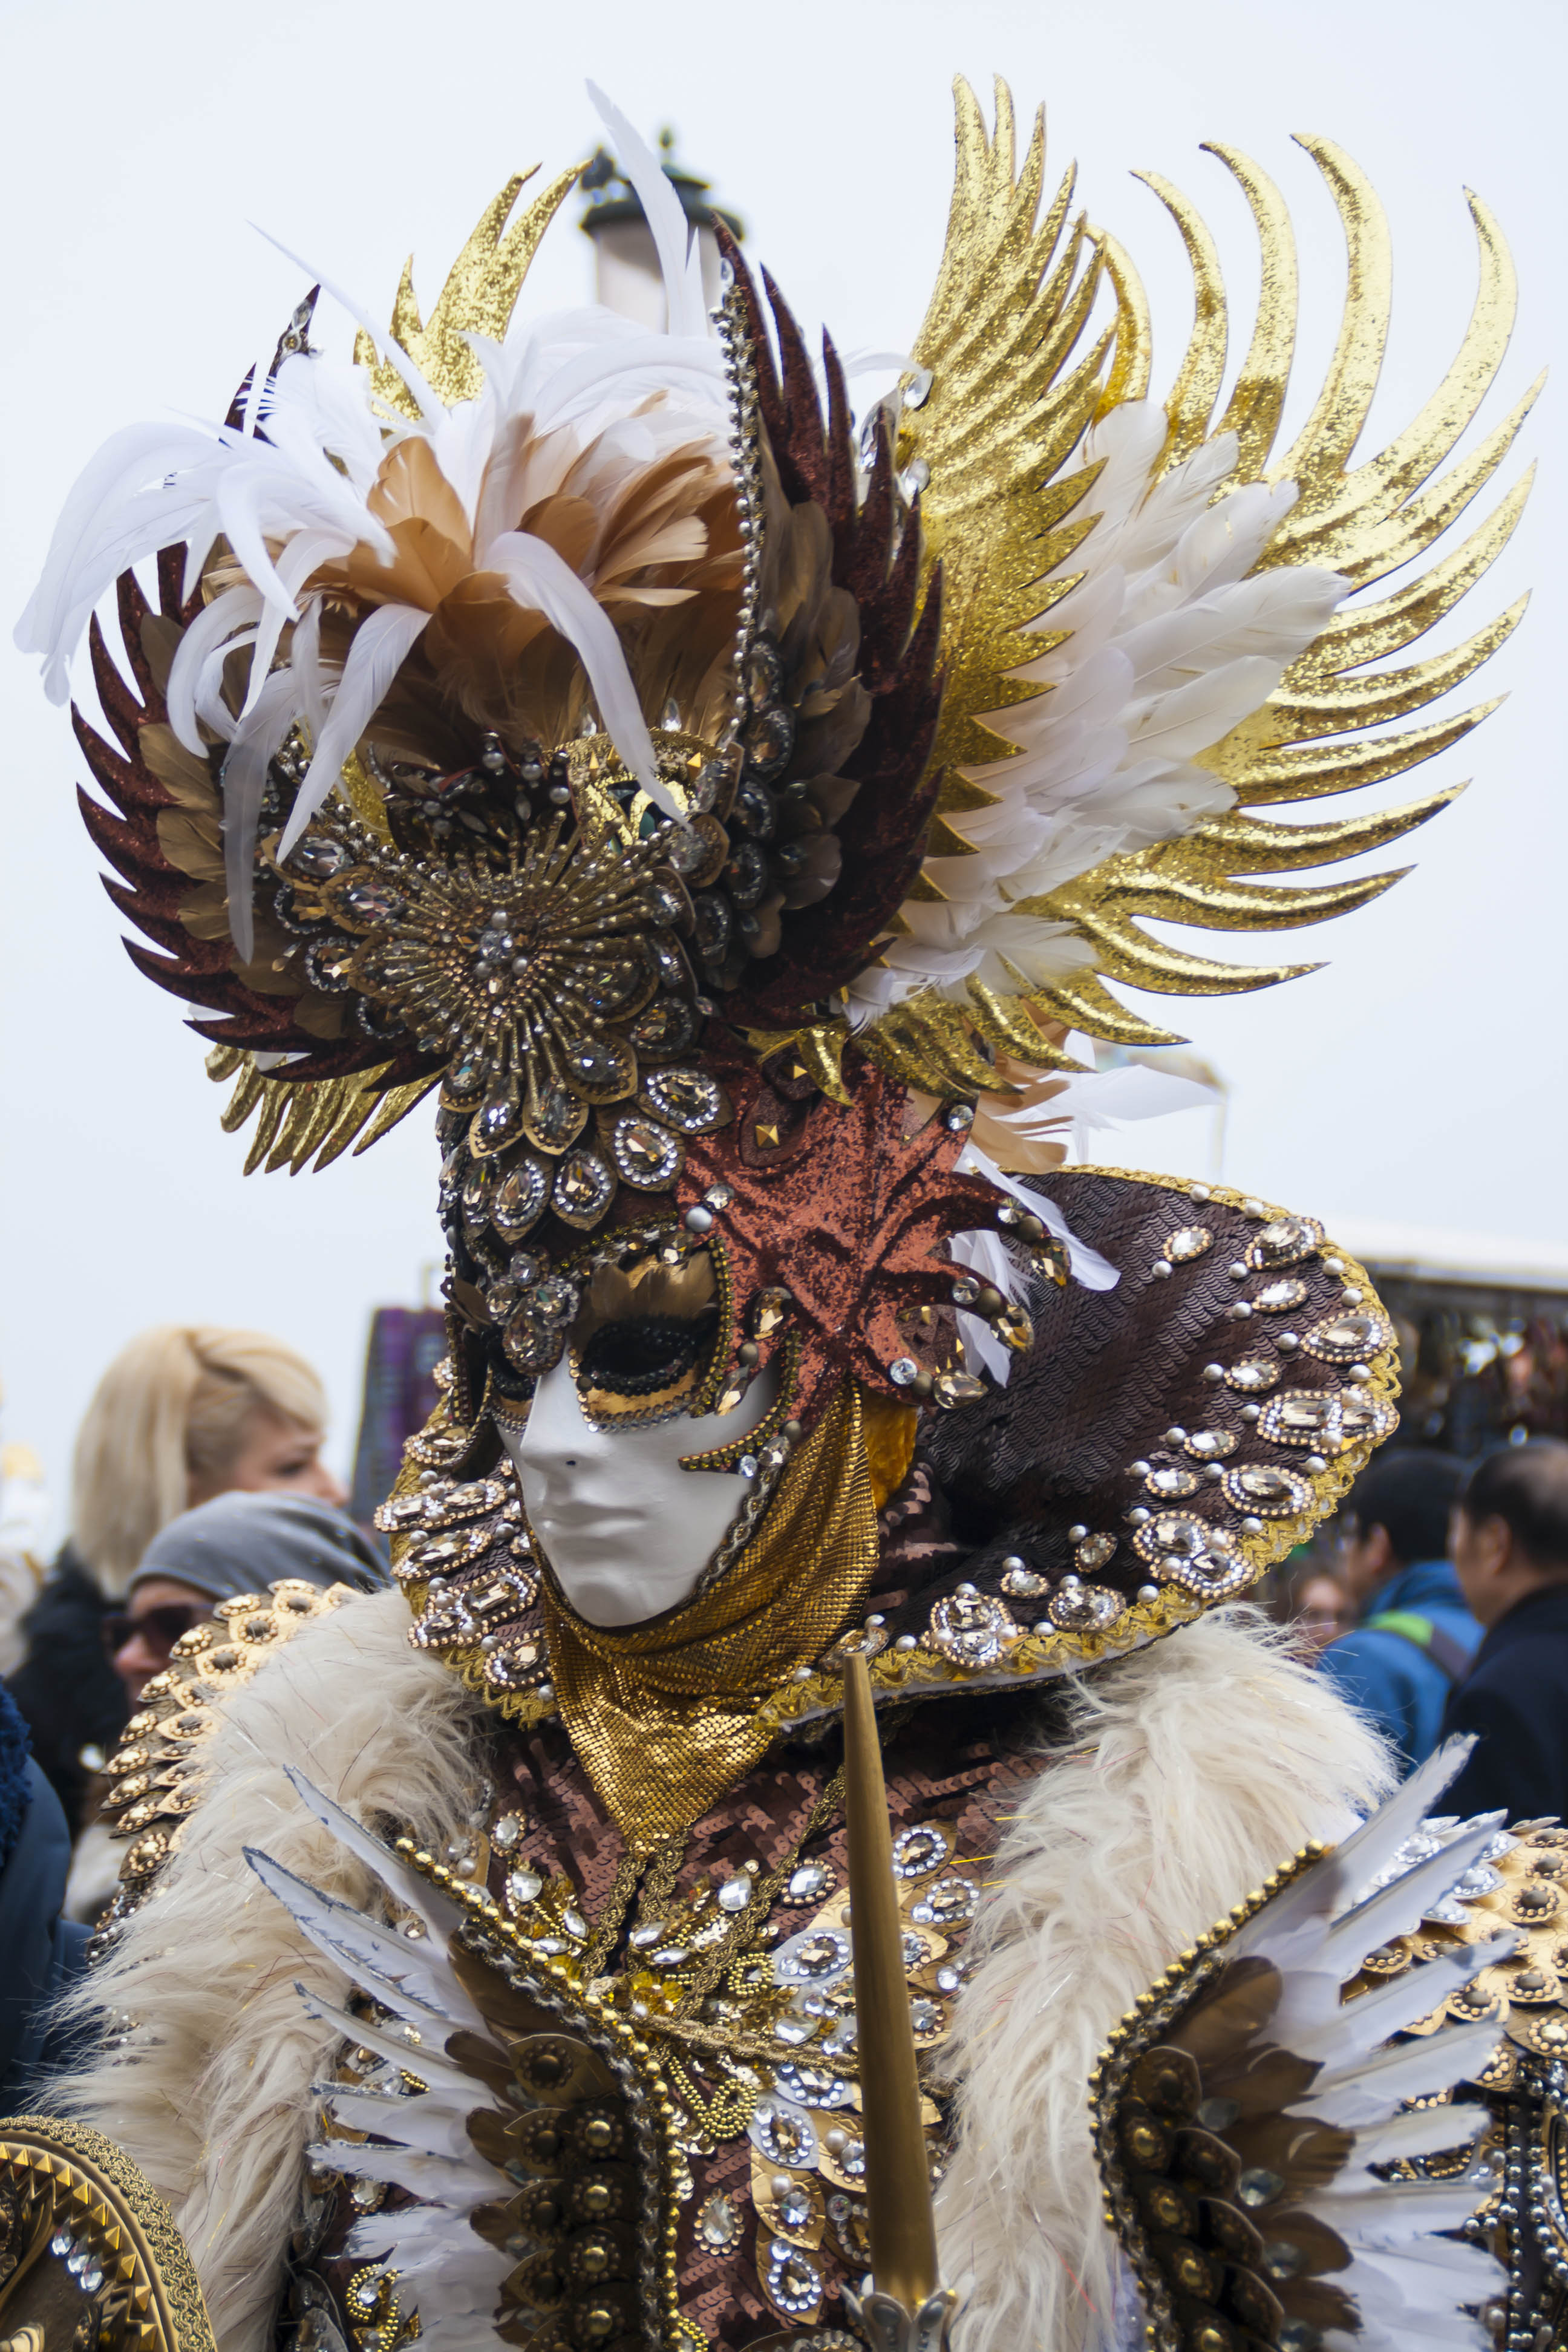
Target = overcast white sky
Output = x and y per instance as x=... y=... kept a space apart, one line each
x=1418 y=1079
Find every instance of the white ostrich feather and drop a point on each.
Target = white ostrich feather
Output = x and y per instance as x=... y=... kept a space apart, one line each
x=1169 y=646
x=581 y=393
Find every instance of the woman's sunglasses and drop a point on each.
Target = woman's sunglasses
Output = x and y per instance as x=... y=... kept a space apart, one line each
x=159 y=1628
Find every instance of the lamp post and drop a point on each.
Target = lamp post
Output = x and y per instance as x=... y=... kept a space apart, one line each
x=626 y=265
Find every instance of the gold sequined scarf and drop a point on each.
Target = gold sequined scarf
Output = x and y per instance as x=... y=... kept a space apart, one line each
x=664 y=1715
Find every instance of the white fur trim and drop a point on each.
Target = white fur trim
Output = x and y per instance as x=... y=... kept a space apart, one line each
x=1188 y=1773
x=211 y=2095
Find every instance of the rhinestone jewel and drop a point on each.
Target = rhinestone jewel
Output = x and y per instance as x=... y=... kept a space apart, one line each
x=1309 y=1417
x=373 y=901
x=1084 y=1607
x=768 y=1311
x=646 y=1154
x=1274 y=1494
x=818 y=1957
x=1284 y=1241
x=1211 y=1445
x=506 y=1831
x=1341 y=1339
x=1172 y=1481
x=522 y=1887
x=718 y=2224
x=808 y=1883
x=555 y=1301
x=689 y=1099
x=1191 y=1242
x=1364 y=1416
x=319 y=855
x=1095 y=1550
x=601 y=1068
x=919 y=1849
x=520 y=1200
x=794 y=2280
x=735 y=1892
x=946 y=1903
x=1023 y=1583
x=973 y=1629
x=1278 y=1298
x=583 y=1188
x=784 y=2132
x=1252 y=1374
x=791 y=2208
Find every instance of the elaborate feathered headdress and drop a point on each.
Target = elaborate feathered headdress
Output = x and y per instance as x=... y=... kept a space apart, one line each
x=734 y=808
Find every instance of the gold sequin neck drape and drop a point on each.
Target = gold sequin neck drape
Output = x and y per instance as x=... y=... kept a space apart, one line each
x=665 y=1716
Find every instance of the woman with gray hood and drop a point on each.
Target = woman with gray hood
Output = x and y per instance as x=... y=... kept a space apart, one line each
x=236 y=1544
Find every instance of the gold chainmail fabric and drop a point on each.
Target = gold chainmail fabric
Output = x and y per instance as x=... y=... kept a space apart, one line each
x=665 y=1716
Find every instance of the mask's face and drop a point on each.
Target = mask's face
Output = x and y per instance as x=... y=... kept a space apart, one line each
x=626 y=1529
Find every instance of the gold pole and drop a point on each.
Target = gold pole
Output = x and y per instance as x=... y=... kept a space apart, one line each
x=898 y=2182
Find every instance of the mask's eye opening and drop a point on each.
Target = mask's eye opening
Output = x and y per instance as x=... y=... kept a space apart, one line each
x=642 y=1344
x=645 y=1355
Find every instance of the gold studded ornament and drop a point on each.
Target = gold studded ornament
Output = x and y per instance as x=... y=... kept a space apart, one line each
x=89 y=2251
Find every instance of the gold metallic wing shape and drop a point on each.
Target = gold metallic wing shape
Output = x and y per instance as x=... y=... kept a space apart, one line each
x=304 y=1121
x=1012 y=386
x=1365 y=520
x=477 y=299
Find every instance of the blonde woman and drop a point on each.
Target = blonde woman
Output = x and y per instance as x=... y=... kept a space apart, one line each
x=184 y=1412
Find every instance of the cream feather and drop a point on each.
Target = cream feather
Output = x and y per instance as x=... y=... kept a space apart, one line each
x=1168 y=646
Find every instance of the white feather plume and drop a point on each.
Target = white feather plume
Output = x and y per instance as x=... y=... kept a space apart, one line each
x=291 y=490
x=1169 y=646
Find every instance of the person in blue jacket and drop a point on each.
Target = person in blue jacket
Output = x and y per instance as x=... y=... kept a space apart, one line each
x=1415 y=1637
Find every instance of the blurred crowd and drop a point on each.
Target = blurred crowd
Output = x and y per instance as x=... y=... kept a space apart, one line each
x=198 y=1477
x=1438 y=1601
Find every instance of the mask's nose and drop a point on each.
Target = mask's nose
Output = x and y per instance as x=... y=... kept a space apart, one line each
x=557 y=1441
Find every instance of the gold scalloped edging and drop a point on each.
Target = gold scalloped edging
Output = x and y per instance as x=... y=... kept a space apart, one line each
x=68 y=2176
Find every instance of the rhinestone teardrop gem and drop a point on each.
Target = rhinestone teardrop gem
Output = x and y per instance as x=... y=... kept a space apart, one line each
x=1284 y=1240
x=1211 y=1445
x=669 y=1027
x=1191 y=1242
x=1278 y=1298
x=1272 y=1492
x=1084 y=1607
x=319 y=855
x=647 y=1154
x=689 y=1099
x=1341 y=1338
x=520 y=1200
x=601 y=1069
x=583 y=1188
x=1252 y=1375
x=1307 y=1417
x=557 y=1118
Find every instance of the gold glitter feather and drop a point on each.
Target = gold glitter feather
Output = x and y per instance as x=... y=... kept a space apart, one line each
x=477 y=299
x=1007 y=404
x=302 y=1121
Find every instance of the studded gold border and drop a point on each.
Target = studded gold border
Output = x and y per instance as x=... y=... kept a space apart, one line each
x=86 y=2181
